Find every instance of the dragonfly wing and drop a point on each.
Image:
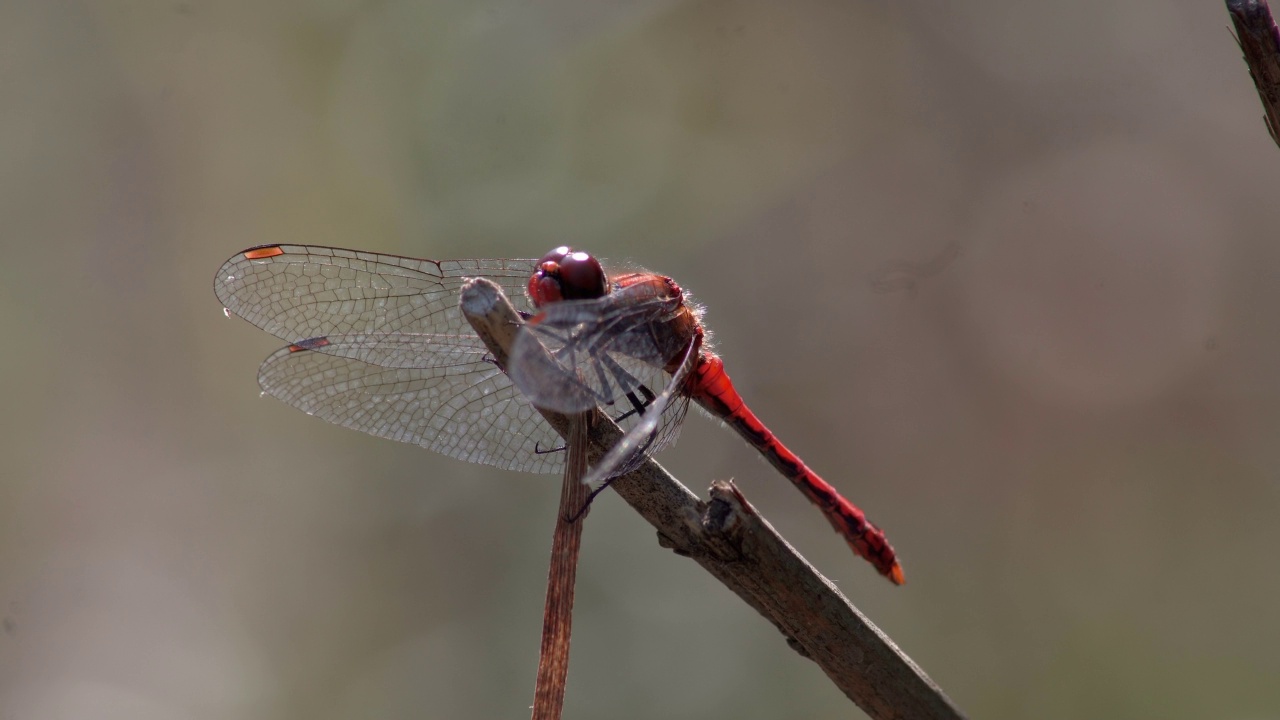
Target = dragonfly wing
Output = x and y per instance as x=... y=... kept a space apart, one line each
x=654 y=427
x=668 y=431
x=304 y=291
x=402 y=350
x=450 y=400
x=602 y=349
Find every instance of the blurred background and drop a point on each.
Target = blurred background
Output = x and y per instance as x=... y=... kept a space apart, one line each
x=1001 y=271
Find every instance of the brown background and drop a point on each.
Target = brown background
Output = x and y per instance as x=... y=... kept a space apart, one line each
x=1070 y=432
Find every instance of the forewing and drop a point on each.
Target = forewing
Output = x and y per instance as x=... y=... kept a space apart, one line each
x=650 y=432
x=603 y=350
x=381 y=347
x=451 y=399
x=297 y=292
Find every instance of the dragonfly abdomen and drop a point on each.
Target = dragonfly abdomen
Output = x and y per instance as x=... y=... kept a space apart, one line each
x=711 y=388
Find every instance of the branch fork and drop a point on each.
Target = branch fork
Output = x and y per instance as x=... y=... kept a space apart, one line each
x=730 y=540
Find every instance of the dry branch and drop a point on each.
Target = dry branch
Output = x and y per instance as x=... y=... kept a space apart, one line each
x=729 y=539
x=1260 y=42
x=557 y=615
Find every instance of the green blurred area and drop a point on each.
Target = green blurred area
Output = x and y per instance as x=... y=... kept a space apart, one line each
x=1068 y=430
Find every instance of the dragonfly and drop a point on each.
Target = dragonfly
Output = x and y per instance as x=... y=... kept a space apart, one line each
x=377 y=343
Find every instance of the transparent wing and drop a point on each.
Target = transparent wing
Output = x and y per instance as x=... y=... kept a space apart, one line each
x=605 y=352
x=439 y=392
x=655 y=429
x=380 y=346
x=296 y=292
x=442 y=393
x=611 y=352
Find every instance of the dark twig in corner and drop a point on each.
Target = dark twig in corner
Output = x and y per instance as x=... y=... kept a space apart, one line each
x=730 y=540
x=1256 y=33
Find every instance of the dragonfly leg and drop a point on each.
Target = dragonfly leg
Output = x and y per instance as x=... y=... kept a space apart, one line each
x=638 y=406
x=586 y=504
x=606 y=391
x=539 y=451
x=621 y=377
x=638 y=409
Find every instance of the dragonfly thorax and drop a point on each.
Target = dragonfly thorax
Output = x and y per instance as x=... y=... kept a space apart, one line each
x=566 y=274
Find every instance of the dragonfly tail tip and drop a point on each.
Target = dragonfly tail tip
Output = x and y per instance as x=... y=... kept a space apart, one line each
x=896 y=576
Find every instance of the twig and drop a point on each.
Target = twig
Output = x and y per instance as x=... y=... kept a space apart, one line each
x=732 y=542
x=557 y=616
x=1258 y=39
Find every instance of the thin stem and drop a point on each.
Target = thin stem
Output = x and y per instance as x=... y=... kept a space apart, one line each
x=557 y=616
x=1260 y=42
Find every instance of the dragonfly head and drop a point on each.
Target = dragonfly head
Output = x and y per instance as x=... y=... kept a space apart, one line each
x=566 y=274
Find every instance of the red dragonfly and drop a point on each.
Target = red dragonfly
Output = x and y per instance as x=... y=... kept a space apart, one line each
x=378 y=344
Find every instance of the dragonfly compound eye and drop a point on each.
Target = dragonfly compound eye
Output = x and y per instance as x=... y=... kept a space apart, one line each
x=565 y=274
x=582 y=278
